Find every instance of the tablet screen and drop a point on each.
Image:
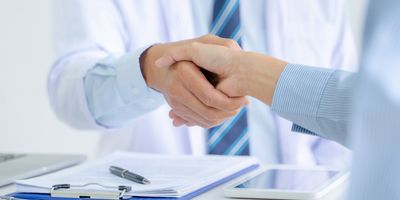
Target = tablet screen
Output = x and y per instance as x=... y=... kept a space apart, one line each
x=292 y=180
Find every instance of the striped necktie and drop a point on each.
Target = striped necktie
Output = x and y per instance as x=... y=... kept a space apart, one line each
x=231 y=137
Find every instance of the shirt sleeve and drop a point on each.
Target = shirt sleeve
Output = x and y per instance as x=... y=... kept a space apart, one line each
x=116 y=91
x=317 y=100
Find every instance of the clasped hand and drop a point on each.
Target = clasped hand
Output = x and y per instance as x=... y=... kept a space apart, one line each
x=174 y=70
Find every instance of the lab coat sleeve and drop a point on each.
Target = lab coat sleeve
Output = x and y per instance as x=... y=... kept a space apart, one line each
x=96 y=80
x=317 y=100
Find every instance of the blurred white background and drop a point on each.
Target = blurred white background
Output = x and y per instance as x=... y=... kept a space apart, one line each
x=27 y=123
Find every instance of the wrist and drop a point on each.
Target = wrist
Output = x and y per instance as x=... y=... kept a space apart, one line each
x=150 y=72
x=261 y=75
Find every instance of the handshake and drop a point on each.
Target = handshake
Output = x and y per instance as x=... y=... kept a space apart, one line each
x=206 y=80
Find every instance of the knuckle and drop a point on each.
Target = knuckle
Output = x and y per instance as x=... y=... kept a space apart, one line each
x=208 y=100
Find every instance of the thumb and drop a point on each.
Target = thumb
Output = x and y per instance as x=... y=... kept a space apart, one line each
x=211 y=57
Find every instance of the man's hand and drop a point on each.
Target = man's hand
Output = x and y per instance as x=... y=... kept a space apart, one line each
x=240 y=73
x=193 y=99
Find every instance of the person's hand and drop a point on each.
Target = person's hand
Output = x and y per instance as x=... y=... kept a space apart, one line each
x=193 y=99
x=240 y=73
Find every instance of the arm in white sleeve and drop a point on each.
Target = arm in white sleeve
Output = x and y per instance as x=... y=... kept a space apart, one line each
x=96 y=82
x=317 y=100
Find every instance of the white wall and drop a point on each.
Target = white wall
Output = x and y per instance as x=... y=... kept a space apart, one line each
x=27 y=124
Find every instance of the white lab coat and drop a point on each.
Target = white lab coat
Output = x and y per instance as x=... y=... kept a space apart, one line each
x=295 y=27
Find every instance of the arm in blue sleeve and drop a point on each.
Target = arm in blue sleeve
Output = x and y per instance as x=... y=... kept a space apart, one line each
x=317 y=100
x=116 y=91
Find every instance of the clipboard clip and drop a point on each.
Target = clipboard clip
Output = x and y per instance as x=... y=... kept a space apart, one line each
x=82 y=192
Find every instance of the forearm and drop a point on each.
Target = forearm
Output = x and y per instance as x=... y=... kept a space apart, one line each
x=317 y=100
x=261 y=74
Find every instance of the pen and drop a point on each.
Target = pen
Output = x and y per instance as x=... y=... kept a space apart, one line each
x=123 y=173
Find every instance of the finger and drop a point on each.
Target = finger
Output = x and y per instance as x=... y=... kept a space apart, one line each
x=177 y=120
x=189 y=115
x=190 y=75
x=190 y=124
x=214 y=58
x=185 y=45
x=178 y=53
x=198 y=85
x=183 y=103
x=213 y=39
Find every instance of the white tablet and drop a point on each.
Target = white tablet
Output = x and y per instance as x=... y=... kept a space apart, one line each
x=285 y=182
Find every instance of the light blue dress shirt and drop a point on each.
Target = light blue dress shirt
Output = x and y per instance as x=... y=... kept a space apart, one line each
x=359 y=110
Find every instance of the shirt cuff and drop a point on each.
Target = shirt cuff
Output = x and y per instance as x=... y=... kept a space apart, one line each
x=131 y=83
x=117 y=92
x=298 y=95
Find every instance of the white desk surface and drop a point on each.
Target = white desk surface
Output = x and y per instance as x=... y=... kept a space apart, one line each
x=217 y=193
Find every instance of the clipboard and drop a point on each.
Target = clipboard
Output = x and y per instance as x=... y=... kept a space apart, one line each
x=70 y=192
